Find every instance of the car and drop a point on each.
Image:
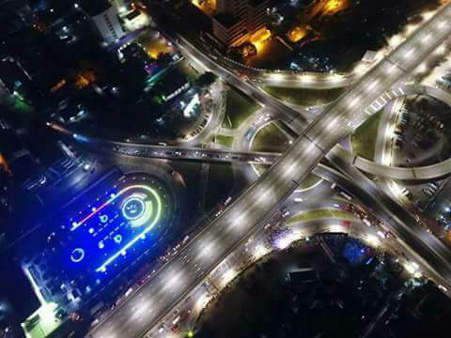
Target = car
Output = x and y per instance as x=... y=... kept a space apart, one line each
x=427 y=192
x=285 y=212
x=175 y=329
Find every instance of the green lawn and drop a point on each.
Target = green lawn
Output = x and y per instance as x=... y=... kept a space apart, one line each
x=321 y=213
x=363 y=141
x=226 y=141
x=305 y=97
x=239 y=108
x=309 y=181
x=270 y=139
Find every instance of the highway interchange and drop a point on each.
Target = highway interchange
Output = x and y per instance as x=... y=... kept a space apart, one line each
x=250 y=211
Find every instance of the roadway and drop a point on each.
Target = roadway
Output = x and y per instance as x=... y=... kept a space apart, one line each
x=420 y=173
x=214 y=116
x=314 y=80
x=248 y=213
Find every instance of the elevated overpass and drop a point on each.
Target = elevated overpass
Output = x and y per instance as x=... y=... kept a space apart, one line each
x=248 y=213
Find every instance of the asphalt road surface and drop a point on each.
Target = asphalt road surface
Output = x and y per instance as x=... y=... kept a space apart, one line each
x=247 y=214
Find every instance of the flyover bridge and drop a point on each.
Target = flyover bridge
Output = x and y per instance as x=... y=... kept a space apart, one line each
x=247 y=214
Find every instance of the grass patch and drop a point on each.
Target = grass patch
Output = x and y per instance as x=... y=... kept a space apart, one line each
x=309 y=181
x=321 y=213
x=363 y=141
x=270 y=139
x=305 y=97
x=239 y=108
x=224 y=140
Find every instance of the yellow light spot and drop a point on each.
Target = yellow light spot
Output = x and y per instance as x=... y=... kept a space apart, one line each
x=329 y=7
x=207 y=6
x=259 y=38
x=297 y=34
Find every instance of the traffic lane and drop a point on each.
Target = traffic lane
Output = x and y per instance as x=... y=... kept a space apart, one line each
x=155 y=293
x=255 y=92
x=340 y=118
x=233 y=228
x=257 y=213
x=313 y=81
x=422 y=39
x=433 y=254
x=287 y=168
x=355 y=228
x=126 y=321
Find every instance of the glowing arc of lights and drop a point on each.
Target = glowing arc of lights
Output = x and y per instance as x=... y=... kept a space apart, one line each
x=158 y=212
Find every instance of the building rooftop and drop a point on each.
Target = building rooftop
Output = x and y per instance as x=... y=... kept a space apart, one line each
x=226 y=20
x=258 y=3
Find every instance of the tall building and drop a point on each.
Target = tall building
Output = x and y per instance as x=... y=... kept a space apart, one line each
x=237 y=20
x=232 y=7
x=105 y=20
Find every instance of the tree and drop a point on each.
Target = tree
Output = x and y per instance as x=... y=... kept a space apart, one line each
x=205 y=80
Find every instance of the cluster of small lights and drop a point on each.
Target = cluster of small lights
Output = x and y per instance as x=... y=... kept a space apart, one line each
x=413 y=269
x=264 y=197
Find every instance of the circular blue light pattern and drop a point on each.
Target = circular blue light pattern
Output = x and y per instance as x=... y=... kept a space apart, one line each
x=77 y=255
x=118 y=239
x=112 y=225
x=133 y=208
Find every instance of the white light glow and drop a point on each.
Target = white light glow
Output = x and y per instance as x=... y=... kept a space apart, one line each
x=202 y=301
x=372 y=240
x=409 y=53
x=308 y=78
x=372 y=85
x=290 y=168
x=228 y=276
x=260 y=251
x=285 y=241
x=276 y=77
x=239 y=219
x=412 y=268
x=265 y=196
x=426 y=38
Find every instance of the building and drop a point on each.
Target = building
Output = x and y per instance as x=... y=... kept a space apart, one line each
x=238 y=20
x=105 y=20
x=228 y=29
x=135 y=20
x=255 y=15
